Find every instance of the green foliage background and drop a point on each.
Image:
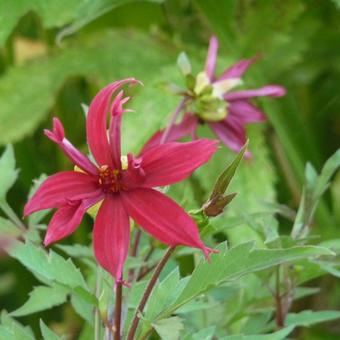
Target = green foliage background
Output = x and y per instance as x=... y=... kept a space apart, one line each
x=55 y=55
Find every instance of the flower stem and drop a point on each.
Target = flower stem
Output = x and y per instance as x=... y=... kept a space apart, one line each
x=118 y=309
x=172 y=121
x=148 y=291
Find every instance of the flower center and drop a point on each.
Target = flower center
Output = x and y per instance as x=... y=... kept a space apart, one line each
x=110 y=179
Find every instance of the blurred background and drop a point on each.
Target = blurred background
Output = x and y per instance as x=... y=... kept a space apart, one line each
x=55 y=55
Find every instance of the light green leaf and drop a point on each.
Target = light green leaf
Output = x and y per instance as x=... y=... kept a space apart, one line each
x=281 y=334
x=8 y=173
x=76 y=250
x=51 y=267
x=47 y=333
x=42 y=298
x=308 y=317
x=55 y=13
x=240 y=260
x=169 y=329
x=13 y=329
x=8 y=228
x=183 y=63
x=97 y=59
x=82 y=308
x=203 y=334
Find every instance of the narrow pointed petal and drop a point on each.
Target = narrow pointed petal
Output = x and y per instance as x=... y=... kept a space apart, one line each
x=265 y=91
x=67 y=219
x=58 y=136
x=172 y=162
x=59 y=189
x=246 y=112
x=232 y=133
x=185 y=128
x=96 y=122
x=111 y=235
x=238 y=69
x=162 y=218
x=210 y=63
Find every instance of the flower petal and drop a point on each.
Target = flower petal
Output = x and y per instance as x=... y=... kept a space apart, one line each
x=269 y=90
x=59 y=189
x=111 y=235
x=58 y=136
x=96 y=126
x=172 y=162
x=232 y=133
x=210 y=62
x=246 y=112
x=186 y=127
x=238 y=69
x=162 y=218
x=67 y=219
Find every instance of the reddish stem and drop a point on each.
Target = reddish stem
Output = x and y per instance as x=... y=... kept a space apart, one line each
x=148 y=291
x=118 y=310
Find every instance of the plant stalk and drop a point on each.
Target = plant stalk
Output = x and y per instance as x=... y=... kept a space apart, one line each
x=147 y=292
x=118 y=310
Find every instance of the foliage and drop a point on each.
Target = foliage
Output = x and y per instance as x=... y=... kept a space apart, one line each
x=277 y=239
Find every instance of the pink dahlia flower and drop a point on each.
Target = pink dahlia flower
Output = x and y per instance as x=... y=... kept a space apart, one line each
x=125 y=185
x=212 y=100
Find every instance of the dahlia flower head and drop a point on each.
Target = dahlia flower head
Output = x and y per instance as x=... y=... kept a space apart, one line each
x=213 y=100
x=125 y=186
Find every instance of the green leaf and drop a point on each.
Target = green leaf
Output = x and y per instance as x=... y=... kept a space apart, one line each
x=330 y=167
x=13 y=329
x=54 y=13
x=308 y=317
x=238 y=261
x=42 y=298
x=93 y=58
x=51 y=267
x=281 y=334
x=169 y=329
x=8 y=173
x=82 y=308
x=226 y=176
x=47 y=333
x=203 y=334
x=8 y=228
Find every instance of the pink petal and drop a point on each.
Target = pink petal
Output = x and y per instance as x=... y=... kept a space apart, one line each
x=172 y=162
x=245 y=112
x=59 y=189
x=210 y=62
x=58 y=136
x=185 y=128
x=111 y=235
x=67 y=219
x=232 y=133
x=162 y=218
x=269 y=90
x=238 y=69
x=96 y=126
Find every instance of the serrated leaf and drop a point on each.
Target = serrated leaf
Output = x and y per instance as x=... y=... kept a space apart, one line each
x=238 y=261
x=8 y=173
x=42 y=298
x=47 y=333
x=51 y=266
x=308 y=317
x=169 y=329
x=14 y=329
